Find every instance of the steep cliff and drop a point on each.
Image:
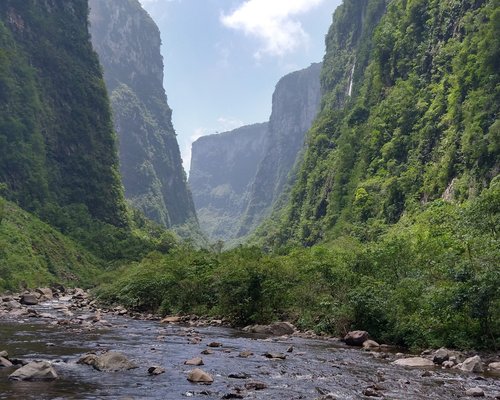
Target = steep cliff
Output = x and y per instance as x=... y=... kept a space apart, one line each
x=237 y=176
x=296 y=101
x=57 y=146
x=409 y=115
x=128 y=43
x=223 y=167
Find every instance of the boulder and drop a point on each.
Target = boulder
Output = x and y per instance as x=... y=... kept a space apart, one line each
x=29 y=299
x=233 y=395
x=35 y=371
x=245 y=354
x=356 y=338
x=108 y=362
x=12 y=305
x=370 y=344
x=239 y=375
x=474 y=392
x=79 y=293
x=255 y=385
x=194 y=361
x=414 y=362
x=370 y=392
x=199 y=376
x=441 y=355
x=4 y=354
x=46 y=293
x=471 y=364
x=448 y=364
x=274 y=356
x=4 y=362
x=276 y=329
x=214 y=344
x=494 y=366
x=156 y=370
x=171 y=320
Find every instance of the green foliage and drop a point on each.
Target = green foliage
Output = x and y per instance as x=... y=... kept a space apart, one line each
x=421 y=122
x=57 y=144
x=34 y=254
x=432 y=279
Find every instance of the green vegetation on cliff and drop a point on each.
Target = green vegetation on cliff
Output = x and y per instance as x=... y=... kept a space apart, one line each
x=128 y=43
x=57 y=145
x=32 y=253
x=410 y=115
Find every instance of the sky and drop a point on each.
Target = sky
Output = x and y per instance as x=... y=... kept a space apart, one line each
x=223 y=58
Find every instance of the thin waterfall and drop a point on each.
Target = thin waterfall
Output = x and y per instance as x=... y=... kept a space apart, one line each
x=352 y=79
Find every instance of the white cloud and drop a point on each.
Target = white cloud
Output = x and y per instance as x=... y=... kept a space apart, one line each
x=273 y=22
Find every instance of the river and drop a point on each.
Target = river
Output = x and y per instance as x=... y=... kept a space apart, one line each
x=313 y=369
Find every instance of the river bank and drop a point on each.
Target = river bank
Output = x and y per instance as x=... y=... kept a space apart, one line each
x=66 y=327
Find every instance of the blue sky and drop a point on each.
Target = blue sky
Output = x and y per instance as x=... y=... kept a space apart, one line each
x=223 y=58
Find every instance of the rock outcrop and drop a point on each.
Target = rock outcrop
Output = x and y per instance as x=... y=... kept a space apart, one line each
x=237 y=176
x=223 y=167
x=296 y=102
x=128 y=44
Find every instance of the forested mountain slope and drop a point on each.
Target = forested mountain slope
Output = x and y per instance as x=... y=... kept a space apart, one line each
x=57 y=145
x=409 y=115
x=128 y=43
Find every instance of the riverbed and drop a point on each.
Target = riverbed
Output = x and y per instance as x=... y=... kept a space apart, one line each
x=312 y=369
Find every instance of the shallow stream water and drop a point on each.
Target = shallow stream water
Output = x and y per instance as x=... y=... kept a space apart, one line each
x=315 y=367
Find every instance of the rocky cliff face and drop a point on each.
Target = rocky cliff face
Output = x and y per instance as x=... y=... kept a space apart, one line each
x=223 y=167
x=296 y=102
x=128 y=44
x=237 y=176
x=57 y=145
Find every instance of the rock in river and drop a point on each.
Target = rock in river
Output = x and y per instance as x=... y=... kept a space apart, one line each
x=441 y=355
x=474 y=392
x=276 y=329
x=156 y=370
x=29 y=299
x=356 y=338
x=194 y=361
x=199 y=376
x=472 y=364
x=414 y=362
x=109 y=362
x=35 y=371
x=494 y=366
x=4 y=362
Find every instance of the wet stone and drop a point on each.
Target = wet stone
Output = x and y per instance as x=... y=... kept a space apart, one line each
x=255 y=385
x=194 y=361
x=35 y=371
x=275 y=356
x=199 y=376
x=156 y=370
x=474 y=392
x=240 y=375
x=370 y=392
